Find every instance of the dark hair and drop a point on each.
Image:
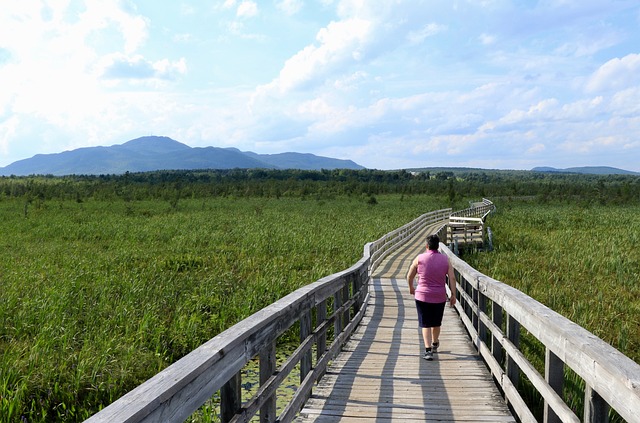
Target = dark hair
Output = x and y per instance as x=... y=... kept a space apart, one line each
x=433 y=242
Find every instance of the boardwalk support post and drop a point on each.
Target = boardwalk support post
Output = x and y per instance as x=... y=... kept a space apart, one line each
x=267 y=368
x=496 y=347
x=513 y=333
x=596 y=410
x=554 y=375
x=305 y=331
x=321 y=316
x=482 y=328
x=230 y=398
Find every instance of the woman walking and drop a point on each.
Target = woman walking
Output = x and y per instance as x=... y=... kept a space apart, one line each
x=432 y=269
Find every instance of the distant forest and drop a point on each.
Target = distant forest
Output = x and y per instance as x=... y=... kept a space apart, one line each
x=454 y=185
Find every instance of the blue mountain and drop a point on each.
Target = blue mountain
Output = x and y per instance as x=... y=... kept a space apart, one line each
x=163 y=153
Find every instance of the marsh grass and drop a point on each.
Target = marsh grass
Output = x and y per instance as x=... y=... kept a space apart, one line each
x=98 y=296
x=582 y=261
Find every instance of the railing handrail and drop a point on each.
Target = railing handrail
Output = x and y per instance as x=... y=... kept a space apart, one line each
x=391 y=241
x=486 y=206
x=611 y=378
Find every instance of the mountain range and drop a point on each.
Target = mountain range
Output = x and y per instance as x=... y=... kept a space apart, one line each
x=153 y=153
x=162 y=153
x=591 y=170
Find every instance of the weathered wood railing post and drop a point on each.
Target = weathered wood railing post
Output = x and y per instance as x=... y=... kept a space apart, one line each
x=231 y=398
x=267 y=368
x=346 y=315
x=482 y=306
x=475 y=302
x=321 y=316
x=305 y=331
x=337 y=303
x=355 y=287
x=554 y=375
x=596 y=410
x=496 y=347
x=513 y=333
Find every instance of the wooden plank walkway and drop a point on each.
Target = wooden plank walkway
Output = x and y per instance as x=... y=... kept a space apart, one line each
x=380 y=375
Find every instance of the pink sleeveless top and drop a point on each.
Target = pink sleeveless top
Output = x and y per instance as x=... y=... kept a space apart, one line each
x=432 y=277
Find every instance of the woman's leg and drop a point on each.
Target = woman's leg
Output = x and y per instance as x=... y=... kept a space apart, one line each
x=436 y=334
x=427 y=337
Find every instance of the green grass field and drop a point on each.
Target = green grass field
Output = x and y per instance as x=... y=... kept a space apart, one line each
x=98 y=296
x=580 y=260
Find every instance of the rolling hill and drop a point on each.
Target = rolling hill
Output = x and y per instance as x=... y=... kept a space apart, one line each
x=162 y=153
x=588 y=170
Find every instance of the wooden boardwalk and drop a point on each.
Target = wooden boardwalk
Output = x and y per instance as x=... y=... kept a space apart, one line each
x=380 y=375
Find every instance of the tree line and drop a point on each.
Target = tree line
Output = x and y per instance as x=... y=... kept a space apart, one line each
x=173 y=185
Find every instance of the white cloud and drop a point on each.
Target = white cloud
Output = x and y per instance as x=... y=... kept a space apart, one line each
x=616 y=74
x=487 y=39
x=536 y=148
x=119 y=66
x=247 y=9
x=429 y=30
x=228 y=4
x=8 y=129
x=340 y=43
x=289 y=7
x=625 y=103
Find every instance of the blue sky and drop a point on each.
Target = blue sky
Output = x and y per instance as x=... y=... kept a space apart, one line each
x=389 y=84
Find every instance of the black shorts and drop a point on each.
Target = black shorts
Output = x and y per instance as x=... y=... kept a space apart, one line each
x=430 y=314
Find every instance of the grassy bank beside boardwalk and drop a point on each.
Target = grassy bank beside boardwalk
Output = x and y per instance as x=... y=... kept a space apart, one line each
x=581 y=259
x=98 y=296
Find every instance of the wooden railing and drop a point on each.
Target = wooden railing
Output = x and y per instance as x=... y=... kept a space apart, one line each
x=325 y=313
x=178 y=391
x=390 y=242
x=495 y=315
x=478 y=209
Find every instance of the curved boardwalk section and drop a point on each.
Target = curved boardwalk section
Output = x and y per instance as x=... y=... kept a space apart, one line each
x=380 y=375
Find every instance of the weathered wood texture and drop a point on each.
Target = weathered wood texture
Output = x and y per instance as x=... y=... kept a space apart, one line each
x=380 y=375
x=465 y=230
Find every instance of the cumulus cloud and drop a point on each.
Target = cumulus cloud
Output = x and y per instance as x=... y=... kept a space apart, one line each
x=289 y=7
x=339 y=43
x=616 y=74
x=429 y=30
x=539 y=112
x=119 y=66
x=229 y=4
x=247 y=9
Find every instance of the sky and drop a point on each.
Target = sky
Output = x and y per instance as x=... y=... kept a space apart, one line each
x=389 y=84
